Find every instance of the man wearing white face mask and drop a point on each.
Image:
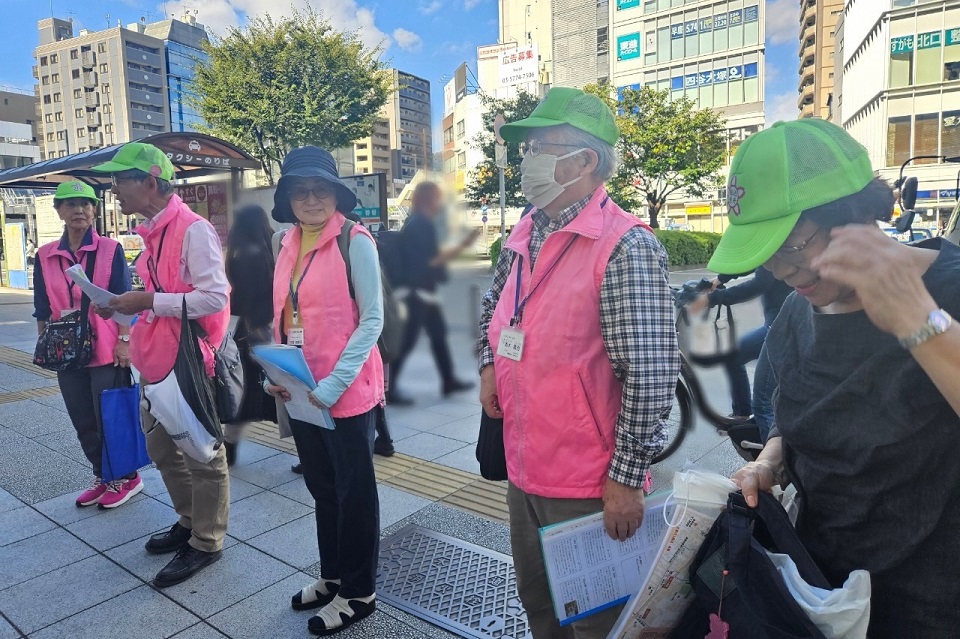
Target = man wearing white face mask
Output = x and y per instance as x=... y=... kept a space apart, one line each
x=578 y=350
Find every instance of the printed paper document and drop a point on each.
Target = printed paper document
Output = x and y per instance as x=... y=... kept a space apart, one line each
x=100 y=297
x=589 y=572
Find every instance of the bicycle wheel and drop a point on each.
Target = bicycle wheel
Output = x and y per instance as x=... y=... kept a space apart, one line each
x=679 y=422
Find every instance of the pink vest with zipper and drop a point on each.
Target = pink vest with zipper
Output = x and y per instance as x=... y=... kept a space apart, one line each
x=54 y=262
x=561 y=400
x=153 y=345
x=328 y=315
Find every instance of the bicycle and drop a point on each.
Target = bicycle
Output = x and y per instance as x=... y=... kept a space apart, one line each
x=743 y=433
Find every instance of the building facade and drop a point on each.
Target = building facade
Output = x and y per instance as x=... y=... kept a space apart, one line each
x=818 y=27
x=900 y=92
x=411 y=138
x=18 y=137
x=708 y=50
x=183 y=42
x=525 y=23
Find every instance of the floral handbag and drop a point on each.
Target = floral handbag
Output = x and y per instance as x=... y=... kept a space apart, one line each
x=66 y=344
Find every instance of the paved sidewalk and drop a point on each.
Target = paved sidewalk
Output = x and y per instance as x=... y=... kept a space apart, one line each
x=82 y=573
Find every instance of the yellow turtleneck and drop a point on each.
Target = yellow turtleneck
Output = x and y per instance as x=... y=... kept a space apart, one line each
x=309 y=235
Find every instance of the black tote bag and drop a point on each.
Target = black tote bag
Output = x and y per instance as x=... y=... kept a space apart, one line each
x=490 y=451
x=756 y=602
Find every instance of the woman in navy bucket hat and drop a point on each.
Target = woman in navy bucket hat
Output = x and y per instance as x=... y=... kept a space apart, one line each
x=314 y=309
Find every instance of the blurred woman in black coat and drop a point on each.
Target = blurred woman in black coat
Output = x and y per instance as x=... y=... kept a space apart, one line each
x=249 y=266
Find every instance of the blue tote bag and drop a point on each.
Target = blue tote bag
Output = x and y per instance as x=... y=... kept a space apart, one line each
x=124 y=447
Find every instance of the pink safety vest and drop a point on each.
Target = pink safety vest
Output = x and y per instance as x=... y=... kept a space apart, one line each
x=561 y=401
x=54 y=261
x=153 y=345
x=328 y=314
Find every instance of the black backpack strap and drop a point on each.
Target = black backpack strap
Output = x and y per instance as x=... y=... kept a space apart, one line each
x=343 y=243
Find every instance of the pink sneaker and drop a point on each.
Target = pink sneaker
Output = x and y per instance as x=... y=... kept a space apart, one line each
x=121 y=491
x=92 y=495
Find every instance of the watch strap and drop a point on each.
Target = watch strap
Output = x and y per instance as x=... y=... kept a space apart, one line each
x=938 y=322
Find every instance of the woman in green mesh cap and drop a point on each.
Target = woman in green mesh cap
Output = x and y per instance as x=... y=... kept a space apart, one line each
x=867 y=361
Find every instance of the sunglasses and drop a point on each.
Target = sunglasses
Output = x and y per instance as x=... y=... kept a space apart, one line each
x=301 y=193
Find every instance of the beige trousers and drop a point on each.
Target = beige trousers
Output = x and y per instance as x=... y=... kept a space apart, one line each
x=200 y=492
x=529 y=513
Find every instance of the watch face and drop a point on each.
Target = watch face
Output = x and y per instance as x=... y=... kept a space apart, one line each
x=940 y=320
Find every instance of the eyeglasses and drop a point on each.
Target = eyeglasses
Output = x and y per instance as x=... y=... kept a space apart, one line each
x=117 y=179
x=793 y=251
x=533 y=147
x=301 y=193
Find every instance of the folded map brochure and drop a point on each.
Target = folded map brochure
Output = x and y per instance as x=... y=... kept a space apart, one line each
x=285 y=366
x=589 y=572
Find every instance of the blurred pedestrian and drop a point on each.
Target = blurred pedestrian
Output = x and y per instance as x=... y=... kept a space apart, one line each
x=578 y=349
x=55 y=295
x=338 y=330
x=249 y=266
x=181 y=265
x=425 y=268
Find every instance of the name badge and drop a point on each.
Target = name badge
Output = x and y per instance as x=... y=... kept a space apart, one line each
x=68 y=311
x=511 y=344
x=151 y=316
x=295 y=337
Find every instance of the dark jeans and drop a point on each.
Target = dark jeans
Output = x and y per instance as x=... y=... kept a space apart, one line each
x=338 y=471
x=749 y=350
x=764 y=385
x=421 y=314
x=81 y=394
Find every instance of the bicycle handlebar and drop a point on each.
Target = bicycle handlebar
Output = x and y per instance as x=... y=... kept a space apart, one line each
x=691 y=290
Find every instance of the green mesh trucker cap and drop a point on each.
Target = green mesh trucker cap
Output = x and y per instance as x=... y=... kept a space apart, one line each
x=776 y=175
x=75 y=189
x=139 y=155
x=565 y=105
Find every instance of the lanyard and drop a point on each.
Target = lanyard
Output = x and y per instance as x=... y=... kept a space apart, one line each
x=520 y=304
x=295 y=292
x=71 y=285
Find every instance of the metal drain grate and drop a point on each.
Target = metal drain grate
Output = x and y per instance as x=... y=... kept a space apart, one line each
x=463 y=588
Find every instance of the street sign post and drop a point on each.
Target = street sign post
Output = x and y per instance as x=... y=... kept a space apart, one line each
x=500 y=151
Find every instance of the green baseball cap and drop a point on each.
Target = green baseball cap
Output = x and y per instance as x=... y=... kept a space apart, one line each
x=138 y=155
x=776 y=175
x=69 y=190
x=565 y=105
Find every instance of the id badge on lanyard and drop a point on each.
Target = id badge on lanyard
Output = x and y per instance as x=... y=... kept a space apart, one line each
x=295 y=334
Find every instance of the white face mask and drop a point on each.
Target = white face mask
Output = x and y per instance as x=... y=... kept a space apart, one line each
x=537 y=178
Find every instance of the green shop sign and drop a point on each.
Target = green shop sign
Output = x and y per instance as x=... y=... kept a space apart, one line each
x=903 y=44
x=953 y=37
x=931 y=40
x=628 y=46
x=627 y=4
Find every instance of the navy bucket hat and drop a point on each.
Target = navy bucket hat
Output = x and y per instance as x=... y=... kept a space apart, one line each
x=307 y=162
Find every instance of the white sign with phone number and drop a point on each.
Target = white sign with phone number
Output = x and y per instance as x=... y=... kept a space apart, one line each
x=519 y=66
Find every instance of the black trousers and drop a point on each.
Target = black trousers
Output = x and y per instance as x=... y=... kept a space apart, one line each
x=338 y=471
x=421 y=314
x=81 y=394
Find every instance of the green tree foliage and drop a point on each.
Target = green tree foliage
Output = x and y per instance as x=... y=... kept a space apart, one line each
x=483 y=184
x=275 y=85
x=665 y=146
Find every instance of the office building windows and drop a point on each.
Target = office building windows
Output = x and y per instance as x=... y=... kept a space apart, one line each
x=74 y=54
x=898 y=140
x=901 y=61
x=950 y=134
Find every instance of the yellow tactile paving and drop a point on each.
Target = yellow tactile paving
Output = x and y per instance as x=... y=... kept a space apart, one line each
x=24 y=361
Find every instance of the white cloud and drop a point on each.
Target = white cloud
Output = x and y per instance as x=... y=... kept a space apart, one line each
x=470 y=4
x=344 y=15
x=427 y=8
x=783 y=22
x=782 y=106
x=407 y=40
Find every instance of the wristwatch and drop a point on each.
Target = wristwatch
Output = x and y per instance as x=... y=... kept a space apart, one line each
x=124 y=338
x=938 y=322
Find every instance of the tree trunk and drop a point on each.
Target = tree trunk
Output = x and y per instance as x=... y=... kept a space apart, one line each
x=654 y=206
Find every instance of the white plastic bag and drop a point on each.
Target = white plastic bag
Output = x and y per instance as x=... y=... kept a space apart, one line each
x=842 y=613
x=166 y=403
x=704 y=491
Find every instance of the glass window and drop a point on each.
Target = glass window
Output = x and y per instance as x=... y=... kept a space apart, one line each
x=927 y=129
x=929 y=48
x=705 y=32
x=719 y=93
x=735 y=28
x=950 y=133
x=736 y=91
x=751 y=25
x=663 y=44
x=676 y=41
x=690 y=38
x=81 y=133
x=951 y=55
x=751 y=89
x=74 y=54
x=898 y=140
x=901 y=61
x=54 y=58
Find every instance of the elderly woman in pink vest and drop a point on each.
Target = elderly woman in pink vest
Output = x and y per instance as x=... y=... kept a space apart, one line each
x=336 y=318
x=55 y=295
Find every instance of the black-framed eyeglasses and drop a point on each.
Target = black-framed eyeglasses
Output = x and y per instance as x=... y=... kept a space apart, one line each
x=792 y=251
x=533 y=147
x=301 y=193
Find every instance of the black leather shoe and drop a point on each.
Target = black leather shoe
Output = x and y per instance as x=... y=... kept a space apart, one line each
x=455 y=386
x=297 y=468
x=383 y=447
x=170 y=541
x=231 y=453
x=188 y=562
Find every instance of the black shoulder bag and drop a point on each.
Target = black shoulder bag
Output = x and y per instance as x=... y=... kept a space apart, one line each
x=66 y=344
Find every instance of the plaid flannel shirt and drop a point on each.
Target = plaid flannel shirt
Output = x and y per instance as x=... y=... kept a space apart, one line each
x=637 y=323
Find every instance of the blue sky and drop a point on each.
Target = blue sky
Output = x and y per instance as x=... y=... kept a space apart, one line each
x=428 y=38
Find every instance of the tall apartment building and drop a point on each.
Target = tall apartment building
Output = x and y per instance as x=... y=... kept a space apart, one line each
x=183 y=42
x=709 y=51
x=525 y=23
x=818 y=26
x=18 y=143
x=113 y=86
x=900 y=91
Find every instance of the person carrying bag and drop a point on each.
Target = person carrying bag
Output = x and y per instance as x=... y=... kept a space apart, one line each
x=124 y=446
